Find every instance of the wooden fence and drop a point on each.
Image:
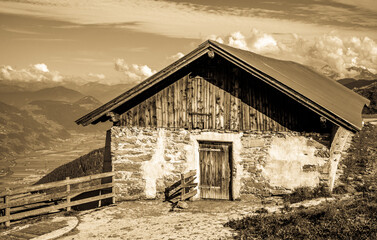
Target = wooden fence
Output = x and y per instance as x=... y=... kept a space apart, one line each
x=39 y=199
x=183 y=189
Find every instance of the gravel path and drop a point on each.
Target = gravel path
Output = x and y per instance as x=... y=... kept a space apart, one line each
x=154 y=220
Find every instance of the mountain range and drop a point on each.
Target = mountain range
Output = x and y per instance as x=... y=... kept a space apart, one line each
x=20 y=132
x=358 y=73
x=370 y=92
x=34 y=117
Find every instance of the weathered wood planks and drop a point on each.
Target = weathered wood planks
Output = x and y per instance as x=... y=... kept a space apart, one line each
x=229 y=100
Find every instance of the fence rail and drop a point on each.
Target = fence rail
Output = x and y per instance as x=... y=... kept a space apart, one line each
x=183 y=189
x=38 y=199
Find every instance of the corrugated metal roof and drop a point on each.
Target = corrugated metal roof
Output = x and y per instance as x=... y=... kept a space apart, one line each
x=319 y=89
x=321 y=94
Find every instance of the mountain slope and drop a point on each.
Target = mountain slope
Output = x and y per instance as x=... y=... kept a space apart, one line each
x=65 y=113
x=20 y=132
x=88 y=102
x=370 y=92
x=102 y=92
x=362 y=73
x=352 y=83
x=21 y=98
x=88 y=164
x=59 y=93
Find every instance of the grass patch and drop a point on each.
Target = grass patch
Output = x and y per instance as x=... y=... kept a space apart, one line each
x=360 y=165
x=306 y=193
x=88 y=164
x=349 y=219
x=354 y=218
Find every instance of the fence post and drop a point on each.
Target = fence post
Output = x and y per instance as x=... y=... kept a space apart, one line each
x=183 y=192
x=112 y=189
x=100 y=201
x=68 y=195
x=7 y=210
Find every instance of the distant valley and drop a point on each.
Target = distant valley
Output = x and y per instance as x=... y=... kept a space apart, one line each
x=34 y=117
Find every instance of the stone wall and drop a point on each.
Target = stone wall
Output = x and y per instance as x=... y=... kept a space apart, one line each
x=148 y=160
x=340 y=144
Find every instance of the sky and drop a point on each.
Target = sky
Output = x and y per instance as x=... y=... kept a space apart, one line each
x=119 y=41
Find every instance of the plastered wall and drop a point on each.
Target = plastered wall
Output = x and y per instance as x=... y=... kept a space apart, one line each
x=147 y=160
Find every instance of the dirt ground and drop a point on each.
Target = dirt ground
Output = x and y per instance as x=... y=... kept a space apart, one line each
x=154 y=220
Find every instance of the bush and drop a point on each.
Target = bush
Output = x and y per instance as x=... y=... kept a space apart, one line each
x=348 y=219
x=306 y=193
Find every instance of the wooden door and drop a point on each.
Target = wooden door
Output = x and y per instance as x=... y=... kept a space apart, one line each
x=215 y=170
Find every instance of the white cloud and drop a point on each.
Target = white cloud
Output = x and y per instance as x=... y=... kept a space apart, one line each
x=176 y=56
x=37 y=72
x=41 y=67
x=255 y=41
x=237 y=39
x=338 y=52
x=96 y=75
x=215 y=38
x=263 y=42
x=170 y=18
x=134 y=72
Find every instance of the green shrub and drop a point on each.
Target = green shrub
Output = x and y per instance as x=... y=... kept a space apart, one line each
x=306 y=193
x=348 y=219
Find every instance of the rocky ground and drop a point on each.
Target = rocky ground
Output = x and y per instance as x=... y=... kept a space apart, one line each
x=147 y=220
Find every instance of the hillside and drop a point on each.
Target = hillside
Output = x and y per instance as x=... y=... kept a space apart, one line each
x=20 y=132
x=58 y=93
x=352 y=83
x=88 y=102
x=46 y=114
x=88 y=164
x=21 y=97
x=370 y=92
x=366 y=88
x=18 y=93
x=65 y=113
x=102 y=92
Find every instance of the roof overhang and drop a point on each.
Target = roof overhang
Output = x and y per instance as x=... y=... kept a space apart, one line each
x=226 y=53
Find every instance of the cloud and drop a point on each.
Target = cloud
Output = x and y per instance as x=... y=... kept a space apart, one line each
x=41 y=67
x=215 y=38
x=255 y=41
x=37 y=72
x=369 y=5
x=237 y=40
x=187 y=20
x=176 y=56
x=338 y=52
x=263 y=42
x=96 y=75
x=134 y=72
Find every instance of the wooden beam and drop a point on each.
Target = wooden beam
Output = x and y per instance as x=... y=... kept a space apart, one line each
x=55 y=184
x=54 y=208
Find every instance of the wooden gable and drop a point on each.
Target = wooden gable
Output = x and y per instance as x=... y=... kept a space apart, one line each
x=216 y=94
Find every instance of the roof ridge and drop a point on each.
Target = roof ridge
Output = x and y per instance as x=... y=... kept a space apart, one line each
x=298 y=81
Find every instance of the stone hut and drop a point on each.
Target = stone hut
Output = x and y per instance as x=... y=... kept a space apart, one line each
x=247 y=124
